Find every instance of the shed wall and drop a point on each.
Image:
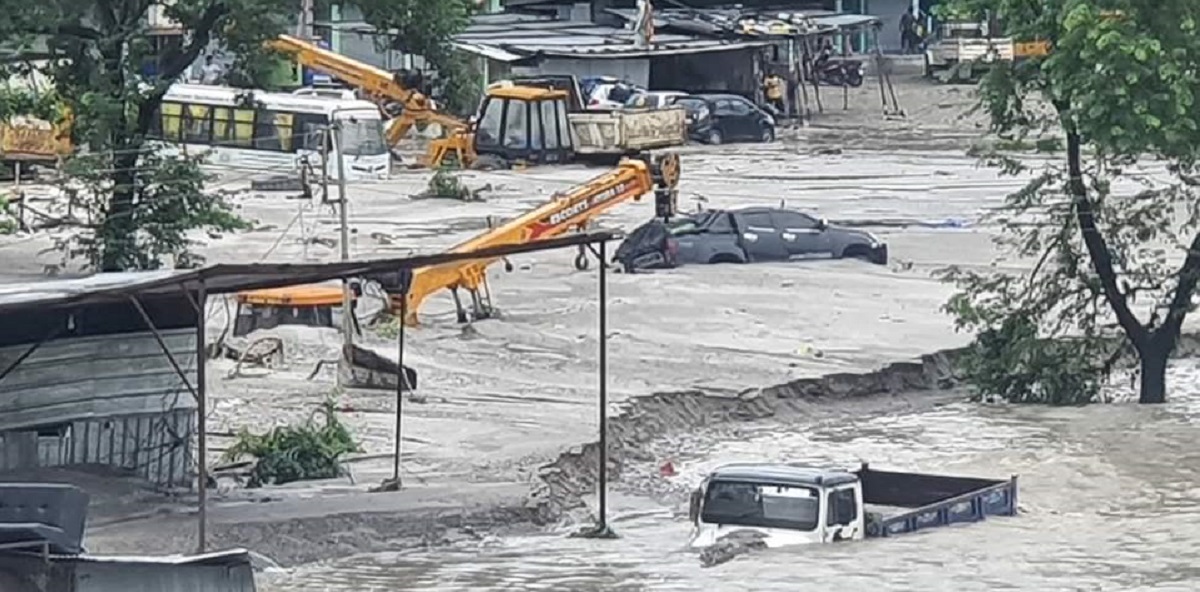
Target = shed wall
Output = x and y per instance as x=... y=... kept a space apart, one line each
x=107 y=399
x=636 y=70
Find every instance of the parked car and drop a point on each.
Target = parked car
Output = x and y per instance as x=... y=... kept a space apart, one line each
x=744 y=236
x=734 y=118
x=653 y=99
x=699 y=117
x=607 y=92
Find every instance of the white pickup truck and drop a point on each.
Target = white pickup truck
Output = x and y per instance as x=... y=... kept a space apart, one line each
x=612 y=132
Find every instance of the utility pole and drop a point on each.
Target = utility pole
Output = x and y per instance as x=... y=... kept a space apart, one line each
x=304 y=29
x=344 y=226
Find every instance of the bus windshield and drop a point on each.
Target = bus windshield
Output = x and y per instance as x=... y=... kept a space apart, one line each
x=763 y=505
x=363 y=137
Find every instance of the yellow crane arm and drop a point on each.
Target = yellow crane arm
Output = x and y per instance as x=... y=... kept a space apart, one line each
x=382 y=86
x=377 y=82
x=566 y=211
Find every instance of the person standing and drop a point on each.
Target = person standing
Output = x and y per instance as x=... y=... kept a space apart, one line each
x=211 y=72
x=773 y=88
x=908 y=28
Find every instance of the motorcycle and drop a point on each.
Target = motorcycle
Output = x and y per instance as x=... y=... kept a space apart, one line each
x=841 y=72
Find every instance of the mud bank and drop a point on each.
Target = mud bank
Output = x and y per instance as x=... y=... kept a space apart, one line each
x=643 y=420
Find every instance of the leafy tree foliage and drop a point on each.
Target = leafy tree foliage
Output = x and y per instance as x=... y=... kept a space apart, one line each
x=94 y=52
x=1120 y=85
x=427 y=29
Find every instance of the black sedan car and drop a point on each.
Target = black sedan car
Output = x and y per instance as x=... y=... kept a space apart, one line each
x=720 y=118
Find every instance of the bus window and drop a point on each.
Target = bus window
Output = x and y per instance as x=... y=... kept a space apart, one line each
x=273 y=131
x=222 y=125
x=549 y=123
x=310 y=129
x=243 y=128
x=171 y=121
x=197 y=124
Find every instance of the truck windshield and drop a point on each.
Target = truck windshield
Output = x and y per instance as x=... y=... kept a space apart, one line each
x=762 y=505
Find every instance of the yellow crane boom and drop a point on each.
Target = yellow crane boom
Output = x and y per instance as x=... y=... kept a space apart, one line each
x=382 y=87
x=566 y=211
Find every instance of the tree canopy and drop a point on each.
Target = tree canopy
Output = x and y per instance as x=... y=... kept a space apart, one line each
x=1112 y=226
x=96 y=53
x=428 y=29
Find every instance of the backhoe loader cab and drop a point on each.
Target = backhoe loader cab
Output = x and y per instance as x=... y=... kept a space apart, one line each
x=526 y=124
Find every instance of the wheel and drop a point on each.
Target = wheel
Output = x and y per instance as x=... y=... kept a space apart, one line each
x=714 y=137
x=854 y=79
x=768 y=134
x=581 y=261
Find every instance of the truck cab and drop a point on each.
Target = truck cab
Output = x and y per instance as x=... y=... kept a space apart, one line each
x=789 y=505
x=524 y=124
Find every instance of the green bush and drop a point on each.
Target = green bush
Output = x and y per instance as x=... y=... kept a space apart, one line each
x=8 y=219
x=312 y=450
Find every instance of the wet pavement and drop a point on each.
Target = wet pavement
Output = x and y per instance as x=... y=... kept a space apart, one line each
x=1108 y=493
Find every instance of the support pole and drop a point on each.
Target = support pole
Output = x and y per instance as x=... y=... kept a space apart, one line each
x=401 y=386
x=201 y=421
x=603 y=480
x=197 y=392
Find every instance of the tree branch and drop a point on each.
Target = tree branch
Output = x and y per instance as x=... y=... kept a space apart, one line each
x=1189 y=274
x=1098 y=251
x=69 y=30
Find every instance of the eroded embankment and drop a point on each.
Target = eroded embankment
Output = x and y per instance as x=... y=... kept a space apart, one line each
x=645 y=419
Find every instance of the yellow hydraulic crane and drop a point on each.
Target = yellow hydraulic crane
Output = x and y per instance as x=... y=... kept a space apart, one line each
x=569 y=210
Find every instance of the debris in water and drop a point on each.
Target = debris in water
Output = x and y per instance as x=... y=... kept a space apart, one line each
x=731 y=545
x=599 y=531
x=667 y=469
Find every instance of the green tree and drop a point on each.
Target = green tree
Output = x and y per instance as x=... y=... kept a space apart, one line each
x=1120 y=86
x=94 y=52
x=427 y=29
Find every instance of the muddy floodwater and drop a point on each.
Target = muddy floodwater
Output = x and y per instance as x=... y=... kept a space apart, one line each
x=1109 y=500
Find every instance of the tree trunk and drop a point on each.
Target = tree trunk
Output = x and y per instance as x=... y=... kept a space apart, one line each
x=118 y=231
x=1154 y=358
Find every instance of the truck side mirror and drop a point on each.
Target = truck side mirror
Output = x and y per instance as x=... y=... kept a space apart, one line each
x=694 y=506
x=822 y=224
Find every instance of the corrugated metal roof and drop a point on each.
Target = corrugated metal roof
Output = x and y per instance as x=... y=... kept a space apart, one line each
x=225 y=279
x=228 y=557
x=515 y=36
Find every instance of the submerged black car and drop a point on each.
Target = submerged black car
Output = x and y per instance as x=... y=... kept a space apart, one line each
x=721 y=118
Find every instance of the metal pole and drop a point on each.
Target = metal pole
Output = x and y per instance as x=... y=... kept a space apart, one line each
x=401 y=386
x=347 y=326
x=201 y=421
x=325 y=140
x=603 y=503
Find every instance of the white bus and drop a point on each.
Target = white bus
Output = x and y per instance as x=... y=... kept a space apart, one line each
x=272 y=132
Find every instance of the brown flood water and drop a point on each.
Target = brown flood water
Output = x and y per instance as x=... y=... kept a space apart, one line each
x=1109 y=494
